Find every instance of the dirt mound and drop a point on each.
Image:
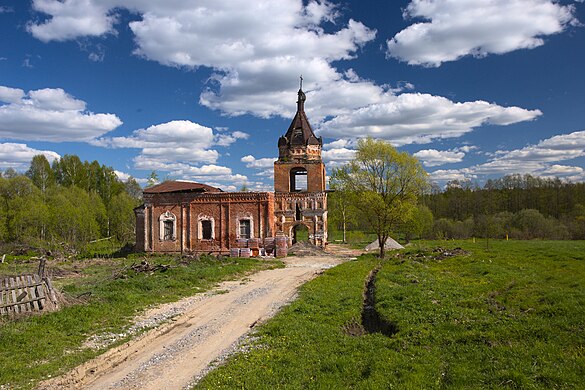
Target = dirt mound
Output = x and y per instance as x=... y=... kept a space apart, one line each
x=305 y=248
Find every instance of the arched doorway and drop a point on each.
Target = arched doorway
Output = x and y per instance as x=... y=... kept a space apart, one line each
x=299 y=232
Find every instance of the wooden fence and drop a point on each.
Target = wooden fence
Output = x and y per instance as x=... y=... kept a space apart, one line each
x=26 y=293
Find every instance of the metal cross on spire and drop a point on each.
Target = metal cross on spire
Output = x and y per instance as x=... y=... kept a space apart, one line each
x=301 y=84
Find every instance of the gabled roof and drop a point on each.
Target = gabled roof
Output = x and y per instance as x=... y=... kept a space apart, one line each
x=300 y=132
x=180 y=186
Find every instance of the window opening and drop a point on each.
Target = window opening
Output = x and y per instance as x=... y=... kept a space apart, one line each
x=298 y=180
x=168 y=230
x=244 y=228
x=206 y=230
x=298 y=215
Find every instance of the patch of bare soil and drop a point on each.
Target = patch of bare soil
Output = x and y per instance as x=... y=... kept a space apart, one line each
x=305 y=248
x=436 y=254
x=190 y=334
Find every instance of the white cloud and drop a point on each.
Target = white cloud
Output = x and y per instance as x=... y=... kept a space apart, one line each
x=179 y=147
x=338 y=156
x=264 y=168
x=539 y=160
x=122 y=175
x=50 y=114
x=420 y=118
x=254 y=49
x=167 y=143
x=433 y=157
x=71 y=19
x=261 y=163
x=452 y=29
x=443 y=175
x=19 y=156
x=228 y=139
x=11 y=95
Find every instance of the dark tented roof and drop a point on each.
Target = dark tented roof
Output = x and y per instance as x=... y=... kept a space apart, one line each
x=180 y=186
x=300 y=131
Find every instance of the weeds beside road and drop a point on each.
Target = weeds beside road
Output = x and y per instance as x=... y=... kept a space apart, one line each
x=104 y=295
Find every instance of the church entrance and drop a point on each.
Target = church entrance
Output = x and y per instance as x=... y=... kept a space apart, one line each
x=300 y=232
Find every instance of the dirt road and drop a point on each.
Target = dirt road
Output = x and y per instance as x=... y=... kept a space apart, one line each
x=176 y=354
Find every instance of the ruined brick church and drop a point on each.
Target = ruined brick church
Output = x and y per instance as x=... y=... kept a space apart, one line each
x=188 y=217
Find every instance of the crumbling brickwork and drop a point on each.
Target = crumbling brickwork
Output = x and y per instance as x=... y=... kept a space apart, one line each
x=189 y=217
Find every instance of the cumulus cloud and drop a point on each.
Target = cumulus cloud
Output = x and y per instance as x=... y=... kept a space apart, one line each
x=540 y=159
x=180 y=148
x=71 y=19
x=50 y=114
x=254 y=49
x=420 y=118
x=337 y=156
x=167 y=143
x=451 y=29
x=264 y=168
x=228 y=139
x=260 y=163
x=433 y=157
x=19 y=156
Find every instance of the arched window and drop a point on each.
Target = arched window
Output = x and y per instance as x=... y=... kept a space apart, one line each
x=167 y=226
x=206 y=228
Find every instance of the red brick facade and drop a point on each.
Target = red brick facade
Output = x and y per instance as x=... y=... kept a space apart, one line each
x=186 y=214
x=188 y=217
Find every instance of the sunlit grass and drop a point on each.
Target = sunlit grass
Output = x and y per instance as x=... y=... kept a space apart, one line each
x=39 y=346
x=510 y=317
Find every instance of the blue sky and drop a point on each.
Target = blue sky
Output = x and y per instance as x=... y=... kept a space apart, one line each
x=202 y=89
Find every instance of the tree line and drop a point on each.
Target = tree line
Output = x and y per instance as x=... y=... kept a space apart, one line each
x=514 y=206
x=68 y=202
x=517 y=206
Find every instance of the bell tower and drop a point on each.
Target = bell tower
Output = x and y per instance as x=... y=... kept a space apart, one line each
x=299 y=180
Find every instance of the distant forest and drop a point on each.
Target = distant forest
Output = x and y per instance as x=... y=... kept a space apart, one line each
x=520 y=206
x=514 y=206
x=66 y=204
x=71 y=202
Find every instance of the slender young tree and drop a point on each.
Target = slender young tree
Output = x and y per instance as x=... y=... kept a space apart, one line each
x=386 y=184
x=40 y=173
x=340 y=204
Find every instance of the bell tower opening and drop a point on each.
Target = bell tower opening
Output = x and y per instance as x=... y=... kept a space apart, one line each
x=298 y=180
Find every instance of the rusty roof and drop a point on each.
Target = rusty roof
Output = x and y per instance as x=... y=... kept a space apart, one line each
x=180 y=186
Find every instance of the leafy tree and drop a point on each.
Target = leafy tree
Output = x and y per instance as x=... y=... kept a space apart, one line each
x=132 y=188
x=152 y=179
x=340 y=204
x=421 y=223
x=10 y=173
x=70 y=171
x=73 y=215
x=40 y=173
x=121 y=216
x=386 y=184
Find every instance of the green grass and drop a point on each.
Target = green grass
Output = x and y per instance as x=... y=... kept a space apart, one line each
x=34 y=347
x=510 y=317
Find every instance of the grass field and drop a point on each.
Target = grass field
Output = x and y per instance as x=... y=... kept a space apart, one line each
x=103 y=296
x=510 y=317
